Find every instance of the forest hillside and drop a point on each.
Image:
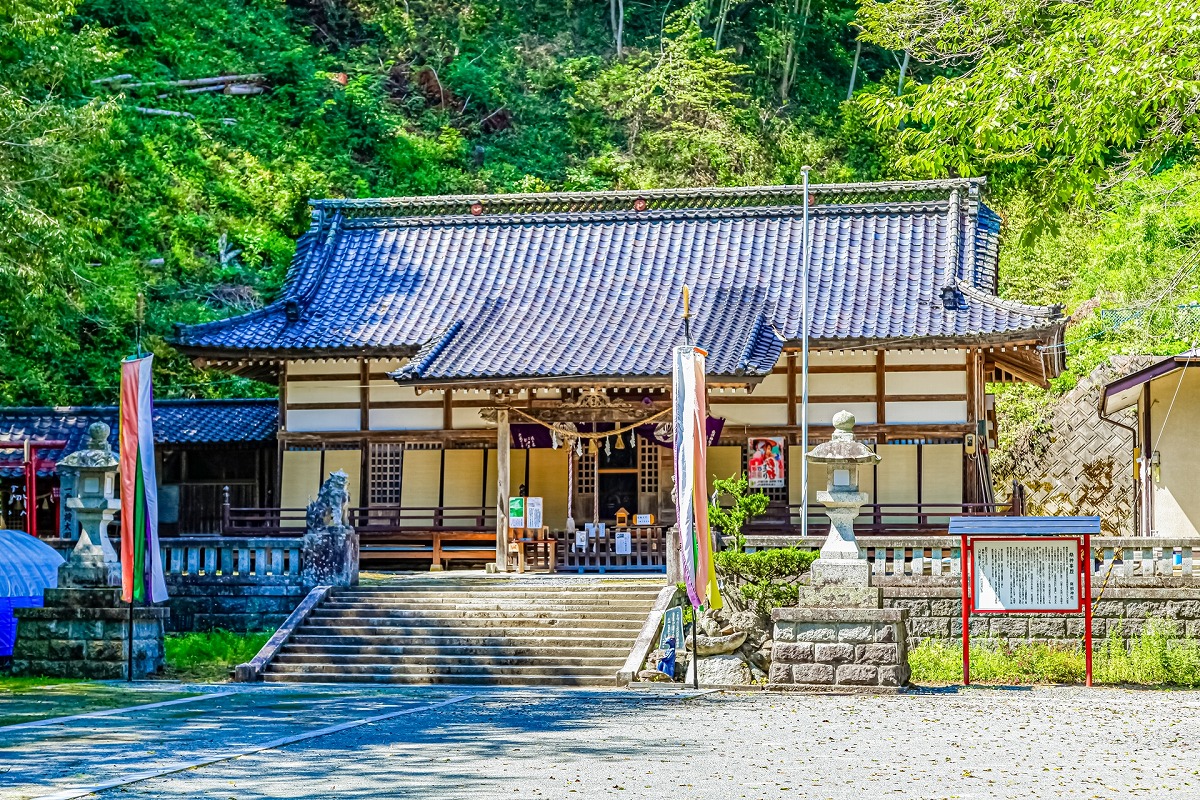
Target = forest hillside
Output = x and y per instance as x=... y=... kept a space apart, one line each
x=157 y=155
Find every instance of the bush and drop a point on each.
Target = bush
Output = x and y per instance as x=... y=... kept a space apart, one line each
x=767 y=579
x=1153 y=658
x=210 y=656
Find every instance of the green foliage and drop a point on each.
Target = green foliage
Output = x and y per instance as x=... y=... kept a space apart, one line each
x=745 y=506
x=766 y=579
x=1153 y=658
x=1020 y=104
x=210 y=656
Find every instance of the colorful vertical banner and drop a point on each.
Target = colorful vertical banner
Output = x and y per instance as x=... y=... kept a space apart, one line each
x=691 y=482
x=141 y=561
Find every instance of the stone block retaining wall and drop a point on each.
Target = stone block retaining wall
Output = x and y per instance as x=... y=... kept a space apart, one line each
x=839 y=647
x=238 y=584
x=935 y=612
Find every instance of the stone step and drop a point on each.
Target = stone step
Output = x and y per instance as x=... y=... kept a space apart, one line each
x=287 y=657
x=393 y=668
x=648 y=594
x=419 y=614
x=480 y=679
x=426 y=639
x=389 y=626
x=334 y=651
x=466 y=604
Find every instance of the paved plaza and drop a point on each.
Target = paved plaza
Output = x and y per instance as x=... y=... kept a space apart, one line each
x=317 y=742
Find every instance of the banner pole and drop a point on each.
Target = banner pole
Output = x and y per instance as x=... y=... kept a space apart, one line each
x=1087 y=607
x=965 y=569
x=805 y=329
x=129 y=647
x=695 y=648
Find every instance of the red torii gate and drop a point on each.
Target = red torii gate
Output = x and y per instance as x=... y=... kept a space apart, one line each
x=30 y=448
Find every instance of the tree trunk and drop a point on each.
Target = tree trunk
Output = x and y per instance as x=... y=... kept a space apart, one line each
x=722 y=16
x=616 y=17
x=791 y=63
x=903 y=71
x=854 y=69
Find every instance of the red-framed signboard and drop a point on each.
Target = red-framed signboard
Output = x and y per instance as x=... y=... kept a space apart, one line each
x=1026 y=565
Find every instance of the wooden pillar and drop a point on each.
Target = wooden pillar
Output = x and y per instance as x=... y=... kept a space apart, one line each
x=971 y=472
x=503 y=445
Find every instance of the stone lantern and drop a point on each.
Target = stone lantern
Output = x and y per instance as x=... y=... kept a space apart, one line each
x=841 y=574
x=82 y=629
x=93 y=563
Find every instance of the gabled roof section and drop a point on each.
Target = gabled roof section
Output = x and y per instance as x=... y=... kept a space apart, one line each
x=176 y=422
x=1123 y=392
x=588 y=285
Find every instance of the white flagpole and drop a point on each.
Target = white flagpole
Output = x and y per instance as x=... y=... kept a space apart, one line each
x=804 y=330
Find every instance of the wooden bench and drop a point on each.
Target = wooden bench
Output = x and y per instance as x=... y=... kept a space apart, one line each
x=439 y=546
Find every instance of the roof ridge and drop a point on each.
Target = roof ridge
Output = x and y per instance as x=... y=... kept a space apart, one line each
x=658 y=214
x=483 y=204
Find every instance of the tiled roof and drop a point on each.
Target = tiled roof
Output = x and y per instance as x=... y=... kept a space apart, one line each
x=583 y=285
x=175 y=422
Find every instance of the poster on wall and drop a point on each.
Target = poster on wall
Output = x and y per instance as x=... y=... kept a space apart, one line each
x=765 y=466
x=533 y=512
x=623 y=542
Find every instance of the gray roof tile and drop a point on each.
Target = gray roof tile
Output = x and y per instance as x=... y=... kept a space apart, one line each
x=531 y=293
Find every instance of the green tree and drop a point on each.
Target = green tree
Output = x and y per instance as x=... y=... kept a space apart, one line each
x=743 y=506
x=1055 y=97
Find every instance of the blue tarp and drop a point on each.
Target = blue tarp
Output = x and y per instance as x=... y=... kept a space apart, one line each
x=27 y=567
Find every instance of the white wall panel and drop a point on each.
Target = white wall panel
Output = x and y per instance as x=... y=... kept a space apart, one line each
x=843 y=383
x=944 y=412
x=926 y=382
x=332 y=419
x=348 y=366
x=925 y=357
x=751 y=413
x=822 y=413
x=405 y=419
x=322 y=392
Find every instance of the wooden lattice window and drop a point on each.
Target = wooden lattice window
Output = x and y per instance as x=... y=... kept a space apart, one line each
x=585 y=473
x=387 y=470
x=647 y=466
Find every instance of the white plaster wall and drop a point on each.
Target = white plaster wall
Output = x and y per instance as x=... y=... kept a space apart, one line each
x=405 y=419
x=925 y=357
x=468 y=419
x=751 y=413
x=322 y=392
x=943 y=412
x=320 y=367
x=822 y=413
x=839 y=358
x=1175 y=434
x=324 y=419
x=772 y=386
x=896 y=477
x=926 y=382
x=845 y=383
x=942 y=475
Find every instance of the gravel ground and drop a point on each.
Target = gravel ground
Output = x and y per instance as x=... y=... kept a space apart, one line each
x=976 y=743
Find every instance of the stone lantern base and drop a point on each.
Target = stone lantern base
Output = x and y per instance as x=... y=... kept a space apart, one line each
x=82 y=633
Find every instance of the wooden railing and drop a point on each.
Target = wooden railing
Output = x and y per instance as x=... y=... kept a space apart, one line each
x=1118 y=558
x=365 y=519
x=255 y=559
x=876 y=518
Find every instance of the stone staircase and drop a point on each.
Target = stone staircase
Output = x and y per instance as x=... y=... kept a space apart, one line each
x=572 y=632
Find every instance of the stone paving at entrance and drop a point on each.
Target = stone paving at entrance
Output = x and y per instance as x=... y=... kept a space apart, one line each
x=452 y=743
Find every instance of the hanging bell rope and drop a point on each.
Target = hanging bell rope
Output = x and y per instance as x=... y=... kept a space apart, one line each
x=568 y=433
